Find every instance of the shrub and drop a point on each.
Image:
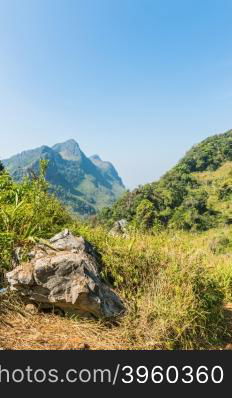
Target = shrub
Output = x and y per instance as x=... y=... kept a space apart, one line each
x=27 y=211
x=225 y=190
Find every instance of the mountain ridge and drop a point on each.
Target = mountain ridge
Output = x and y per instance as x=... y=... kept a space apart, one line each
x=76 y=179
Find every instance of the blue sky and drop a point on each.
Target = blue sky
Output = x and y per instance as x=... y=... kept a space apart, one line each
x=136 y=81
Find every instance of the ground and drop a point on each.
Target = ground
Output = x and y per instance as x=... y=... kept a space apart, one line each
x=23 y=331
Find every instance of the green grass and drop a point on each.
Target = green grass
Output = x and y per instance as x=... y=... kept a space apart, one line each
x=27 y=212
x=174 y=284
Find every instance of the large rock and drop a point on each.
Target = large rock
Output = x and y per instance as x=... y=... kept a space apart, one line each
x=65 y=274
x=119 y=228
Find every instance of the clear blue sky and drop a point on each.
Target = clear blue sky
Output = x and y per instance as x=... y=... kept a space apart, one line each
x=136 y=81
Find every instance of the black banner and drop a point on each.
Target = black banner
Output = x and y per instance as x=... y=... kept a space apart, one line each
x=115 y=371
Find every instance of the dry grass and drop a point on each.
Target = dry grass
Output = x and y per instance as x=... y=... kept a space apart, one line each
x=174 y=287
x=220 y=173
x=20 y=330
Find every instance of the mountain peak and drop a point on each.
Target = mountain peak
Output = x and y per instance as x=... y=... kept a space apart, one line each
x=69 y=150
x=95 y=157
x=83 y=184
x=71 y=142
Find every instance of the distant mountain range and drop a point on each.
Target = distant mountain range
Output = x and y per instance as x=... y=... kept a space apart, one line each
x=84 y=184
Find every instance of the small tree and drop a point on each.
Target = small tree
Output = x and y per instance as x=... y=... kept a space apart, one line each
x=145 y=214
x=1 y=167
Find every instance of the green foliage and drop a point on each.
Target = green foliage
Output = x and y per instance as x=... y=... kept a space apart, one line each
x=145 y=214
x=225 y=190
x=210 y=154
x=180 y=199
x=162 y=203
x=27 y=211
x=1 y=167
x=193 y=214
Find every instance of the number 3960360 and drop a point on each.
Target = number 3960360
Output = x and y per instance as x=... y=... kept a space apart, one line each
x=172 y=374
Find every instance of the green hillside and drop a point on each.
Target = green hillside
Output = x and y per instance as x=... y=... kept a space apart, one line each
x=193 y=195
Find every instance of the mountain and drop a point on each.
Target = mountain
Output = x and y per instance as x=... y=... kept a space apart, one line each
x=194 y=195
x=85 y=184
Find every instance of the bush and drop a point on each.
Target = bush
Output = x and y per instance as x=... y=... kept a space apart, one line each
x=225 y=190
x=27 y=212
x=145 y=215
x=1 y=167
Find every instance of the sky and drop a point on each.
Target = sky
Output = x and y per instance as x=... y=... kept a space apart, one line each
x=136 y=81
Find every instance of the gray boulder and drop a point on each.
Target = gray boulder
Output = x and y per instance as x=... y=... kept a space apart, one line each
x=64 y=274
x=119 y=228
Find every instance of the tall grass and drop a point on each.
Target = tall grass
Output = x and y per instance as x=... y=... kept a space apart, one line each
x=174 y=284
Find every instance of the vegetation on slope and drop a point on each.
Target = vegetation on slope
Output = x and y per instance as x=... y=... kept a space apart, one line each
x=1 y=167
x=83 y=184
x=181 y=199
x=27 y=212
x=174 y=285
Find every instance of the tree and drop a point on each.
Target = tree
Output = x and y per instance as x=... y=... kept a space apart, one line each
x=225 y=190
x=194 y=213
x=1 y=167
x=145 y=214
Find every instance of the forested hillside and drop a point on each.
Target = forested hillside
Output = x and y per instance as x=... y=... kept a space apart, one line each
x=182 y=198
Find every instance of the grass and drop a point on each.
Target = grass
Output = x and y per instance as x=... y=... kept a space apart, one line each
x=213 y=181
x=20 y=330
x=175 y=285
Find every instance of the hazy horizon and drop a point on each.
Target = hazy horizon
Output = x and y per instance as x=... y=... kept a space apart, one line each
x=137 y=82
